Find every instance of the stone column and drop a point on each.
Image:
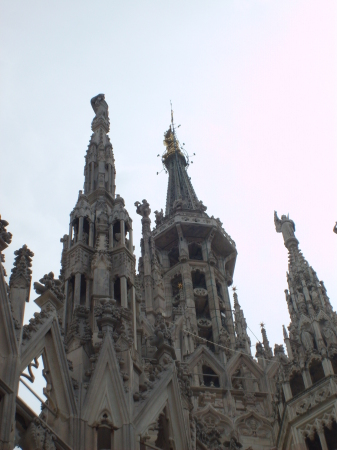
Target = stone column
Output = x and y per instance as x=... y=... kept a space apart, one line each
x=134 y=315
x=91 y=234
x=111 y=236
x=80 y=229
x=321 y=435
x=65 y=308
x=131 y=240
x=189 y=294
x=287 y=391
x=70 y=234
x=122 y=223
x=124 y=292
x=306 y=378
x=87 y=293
x=92 y=176
x=213 y=302
x=228 y=312
x=77 y=293
x=327 y=367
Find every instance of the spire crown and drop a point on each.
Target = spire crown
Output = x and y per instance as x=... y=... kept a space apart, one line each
x=101 y=109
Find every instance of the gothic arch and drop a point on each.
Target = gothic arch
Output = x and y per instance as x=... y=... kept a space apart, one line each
x=254 y=425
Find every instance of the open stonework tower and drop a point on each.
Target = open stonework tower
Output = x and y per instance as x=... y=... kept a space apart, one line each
x=161 y=358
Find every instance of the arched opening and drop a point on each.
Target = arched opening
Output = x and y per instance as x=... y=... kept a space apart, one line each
x=173 y=255
x=86 y=230
x=177 y=286
x=104 y=438
x=334 y=363
x=195 y=251
x=210 y=378
x=219 y=289
x=330 y=434
x=314 y=443
x=70 y=299
x=75 y=224
x=83 y=290
x=316 y=370
x=296 y=383
x=117 y=290
x=198 y=280
x=163 y=437
x=116 y=234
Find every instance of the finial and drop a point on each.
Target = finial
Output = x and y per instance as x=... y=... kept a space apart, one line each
x=285 y=333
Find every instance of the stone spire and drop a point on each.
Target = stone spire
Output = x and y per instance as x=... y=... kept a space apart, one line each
x=306 y=293
x=180 y=192
x=242 y=338
x=99 y=170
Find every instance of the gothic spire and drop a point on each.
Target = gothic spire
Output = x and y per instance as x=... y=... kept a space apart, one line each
x=180 y=192
x=99 y=170
x=306 y=295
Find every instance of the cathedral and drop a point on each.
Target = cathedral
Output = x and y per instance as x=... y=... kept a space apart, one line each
x=154 y=353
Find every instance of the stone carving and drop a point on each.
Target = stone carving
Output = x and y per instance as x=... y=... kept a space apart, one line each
x=5 y=235
x=307 y=340
x=159 y=217
x=162 y=333
x=48 y=282
x=101 y=109
x=22 y=264
x=179 y=203
x=30 y=376
x=329 y=336
x=37 y=437
x=143 y=209
x=285 y=226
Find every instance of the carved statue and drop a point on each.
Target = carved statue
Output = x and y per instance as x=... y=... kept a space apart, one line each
x=329 y=336
x=49 y=282
x=200 y=206
x=100 y=106
x=301 y=300
x=159 y=216
x=179 y=203
x=284 y=226
x=307 y=340
x=5 y=235
x=143 y=209
x=316 y=301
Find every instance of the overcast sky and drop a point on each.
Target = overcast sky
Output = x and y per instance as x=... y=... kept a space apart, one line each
x=253 y=85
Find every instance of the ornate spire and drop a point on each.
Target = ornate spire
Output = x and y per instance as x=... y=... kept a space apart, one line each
x=180 y=192
x=267 y=348
x=22 y=265
x=242 y=338
x=307 y=295
x=99 y=170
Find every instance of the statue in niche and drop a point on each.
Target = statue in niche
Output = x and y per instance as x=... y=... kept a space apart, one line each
x=307 y=340
x=284 y=226
x=159 y=217
x=329 y=336
x=316 y=301
x=301 y=301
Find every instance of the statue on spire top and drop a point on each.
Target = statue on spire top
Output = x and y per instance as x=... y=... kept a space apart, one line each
x=285 y=226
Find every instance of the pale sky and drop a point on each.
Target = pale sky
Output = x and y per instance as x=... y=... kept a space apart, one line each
x=253 y=85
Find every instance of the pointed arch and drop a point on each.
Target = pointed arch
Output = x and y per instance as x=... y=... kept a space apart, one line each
x=106 y=389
